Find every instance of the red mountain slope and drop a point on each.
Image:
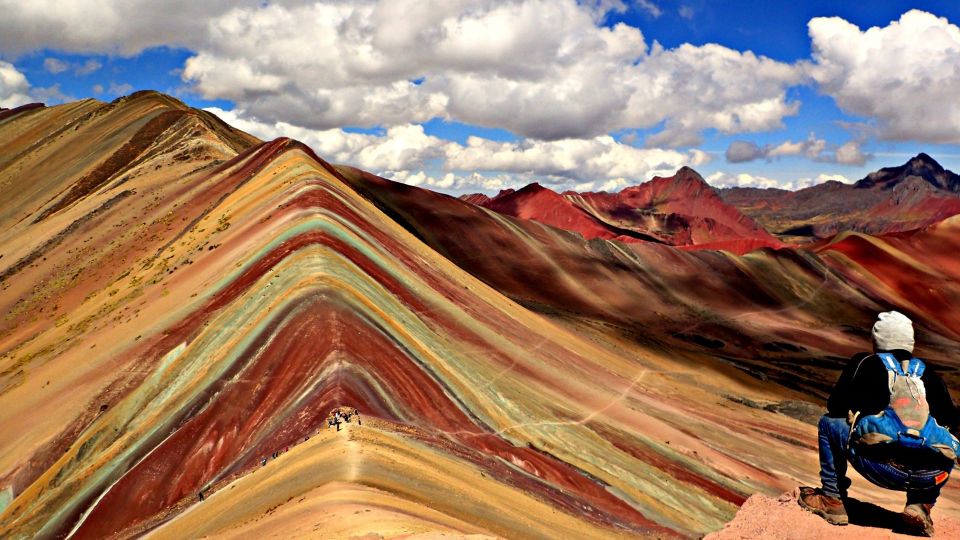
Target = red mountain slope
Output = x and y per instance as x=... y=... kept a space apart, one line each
x=546 y=206
x=681 y=210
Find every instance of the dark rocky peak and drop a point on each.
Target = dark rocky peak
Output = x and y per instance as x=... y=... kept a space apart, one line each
x=920 y=166
x=922 y=162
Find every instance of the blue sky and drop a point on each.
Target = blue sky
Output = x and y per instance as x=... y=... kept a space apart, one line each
x=501 y=93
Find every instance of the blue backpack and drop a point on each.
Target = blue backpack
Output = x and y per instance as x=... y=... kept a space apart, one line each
x=905 y=424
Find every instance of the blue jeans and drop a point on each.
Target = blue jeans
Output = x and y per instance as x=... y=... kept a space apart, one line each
x=834 y=434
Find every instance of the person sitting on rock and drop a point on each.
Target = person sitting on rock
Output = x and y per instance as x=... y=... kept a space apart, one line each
x=888 y=415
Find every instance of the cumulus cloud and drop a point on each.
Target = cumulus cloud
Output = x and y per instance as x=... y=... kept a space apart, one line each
x=742 y=151
x=457 y=182
x=542 y=69
x=724 y=179
x=400 y=148
x=115 y=26
x=801 y=183
x=848 y=153
x=902 y=77
x=14 y=87
x=578 y=159
x=403 y=152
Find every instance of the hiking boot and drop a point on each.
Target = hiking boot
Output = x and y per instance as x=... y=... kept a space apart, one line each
x=917 y=520
x=823 y=505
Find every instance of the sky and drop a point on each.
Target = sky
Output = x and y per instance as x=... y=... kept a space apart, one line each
x=469 y=96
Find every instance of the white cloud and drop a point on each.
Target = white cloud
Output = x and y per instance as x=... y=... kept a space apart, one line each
x=403 y=152
x=49 y=95
x=119 y=89
x=529 y=66
x=87 y=67
x=723 y=179
x=120 y=26
x=404 y=147
x=584 y=186
x=903 y=77
x=812 y=148
x=420 y=178
x=54 y=65
x=694 y=88
x=819 y=179
x=466 y=182
x=616 y=184
x=546 y=69
x=848 y=153
x=648 y=6
x=699 y=157
x=686 y=12
x=600 y=158
x=14 y=87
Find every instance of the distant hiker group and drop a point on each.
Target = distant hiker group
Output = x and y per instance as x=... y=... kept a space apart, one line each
x=338 y=418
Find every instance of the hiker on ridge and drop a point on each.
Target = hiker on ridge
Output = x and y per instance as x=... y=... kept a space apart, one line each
x=888 y=415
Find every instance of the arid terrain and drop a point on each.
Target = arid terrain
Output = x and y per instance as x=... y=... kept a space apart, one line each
x=181 y=301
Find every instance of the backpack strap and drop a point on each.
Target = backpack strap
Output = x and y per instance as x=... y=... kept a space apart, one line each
x=916 y=367
x=891 y=363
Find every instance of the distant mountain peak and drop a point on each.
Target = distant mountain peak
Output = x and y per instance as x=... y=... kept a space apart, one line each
x=921 y=165
x=923 y=162
x=529 y=193
x=686 y=183
x=532 y=187
x=687 y=171
x=925 y=158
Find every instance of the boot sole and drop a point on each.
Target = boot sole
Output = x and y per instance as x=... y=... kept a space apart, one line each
x=832 y=519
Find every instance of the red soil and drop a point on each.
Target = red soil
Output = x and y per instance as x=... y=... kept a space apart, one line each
x=781 y=518
x=543 y=205
x=681 y=210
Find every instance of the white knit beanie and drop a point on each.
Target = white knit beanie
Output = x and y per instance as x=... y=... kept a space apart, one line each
x=893 y=330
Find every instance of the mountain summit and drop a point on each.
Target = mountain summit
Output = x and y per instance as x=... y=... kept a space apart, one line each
x=910 y=196
x=922 y=166
x=680 y=210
